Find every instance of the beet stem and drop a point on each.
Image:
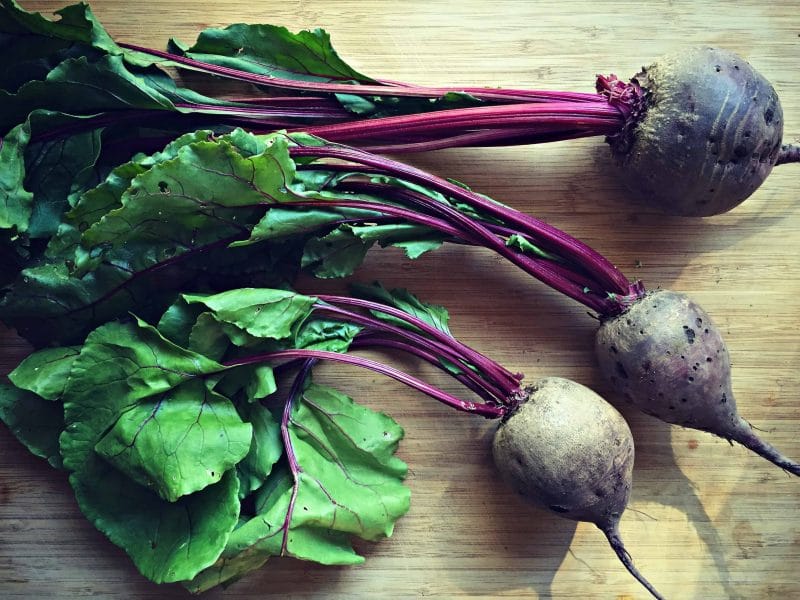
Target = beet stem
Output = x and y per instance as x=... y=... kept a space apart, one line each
x=744 y=435
x=386 y=88
x=294 y=465
x=490 y=411
x=790 y=153
x=611 y=532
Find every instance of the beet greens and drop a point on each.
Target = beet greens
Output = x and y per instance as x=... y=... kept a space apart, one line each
x=136 y=403
x=703 y=118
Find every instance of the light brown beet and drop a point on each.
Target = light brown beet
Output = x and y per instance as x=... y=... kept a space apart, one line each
x=568 y=450
x=709 y=134
x=666 y=356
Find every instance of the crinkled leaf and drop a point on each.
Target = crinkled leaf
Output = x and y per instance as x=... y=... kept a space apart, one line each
x=15 y=200
x=45 y=372
x=177 y=443
x=337 y=254
x=263 y=313
x=414 y=239
x=208 y=191
x=82 y=87
x=350 y=483
x=167 y=541
x=433 y=314
x=326 y=334
x=34 y=421
x=265 y=449
x=274 y=51
x=120 y=365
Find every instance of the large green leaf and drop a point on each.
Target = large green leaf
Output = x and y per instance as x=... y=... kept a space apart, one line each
x=179 y=442
x=262 y=313
x=167 y=541
x=82 y=87
x=349 y=483
x=266 y=449
x=34 y=421
x=209 y=190
x=273 y=51
x=15 y=200
x=119 y=366
x=45 y=372
x=76 y=24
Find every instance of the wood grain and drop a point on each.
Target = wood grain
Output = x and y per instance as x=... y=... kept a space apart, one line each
x=707 y=520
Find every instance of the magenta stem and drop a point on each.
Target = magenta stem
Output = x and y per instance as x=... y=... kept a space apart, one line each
x=570 y=248
x=601 y=119
x=486 y=410
x=445 y=350
x=498 y=373
x=374 y=340
x=385 y=89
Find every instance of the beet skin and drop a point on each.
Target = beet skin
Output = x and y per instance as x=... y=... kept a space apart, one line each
x=666 y=356
x=707 y=135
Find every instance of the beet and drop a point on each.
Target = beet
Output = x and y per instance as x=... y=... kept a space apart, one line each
x=707 y=135
x=666 y=356
x=566 y=449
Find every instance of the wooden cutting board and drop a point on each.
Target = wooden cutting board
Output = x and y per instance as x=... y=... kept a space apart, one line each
x=707 y=520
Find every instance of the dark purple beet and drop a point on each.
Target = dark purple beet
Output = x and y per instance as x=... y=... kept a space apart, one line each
x=707 y=136
x=666 y=356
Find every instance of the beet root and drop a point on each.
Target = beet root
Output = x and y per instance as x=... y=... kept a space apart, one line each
x=666 y=356
x=707 y=135
x=566 y=449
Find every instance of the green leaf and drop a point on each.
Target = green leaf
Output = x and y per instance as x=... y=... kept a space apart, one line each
x=167 y=541
x=337 y=254
x=416 y=248
x=208 y=337
x=414 y=239
x=82 y=87
x=178 y=443
x=433 y=314
x=15 y=200
x=372 y=106
x=266 y=449
x=120 y=365
x=520 y=243
x=350 y=483
x=209 y=191
x=280 y=223
x=34 y=421
x=77 y=24
x=263 y=313
x=45 y=372
x=326 y=334
x=177 y=322
x=261 y=383
x=273 y=51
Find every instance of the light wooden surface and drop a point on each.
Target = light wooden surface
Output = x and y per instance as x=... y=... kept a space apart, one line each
x=707 y=520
